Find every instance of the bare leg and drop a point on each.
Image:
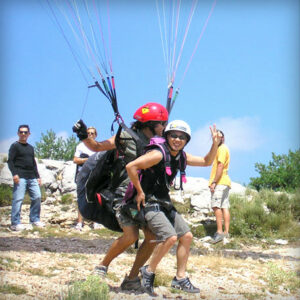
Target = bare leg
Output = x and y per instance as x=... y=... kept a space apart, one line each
x=226 y=215
x=219 y=219
x=130 y=235
x=183 y=251
x=160 y=251
x=143 y=254
x=79 y=219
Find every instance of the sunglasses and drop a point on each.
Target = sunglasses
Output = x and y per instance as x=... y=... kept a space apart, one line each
x=175 y=136
x=91 y=133
x=23 y=132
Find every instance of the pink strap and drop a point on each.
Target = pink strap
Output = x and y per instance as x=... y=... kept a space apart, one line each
x=168 y=171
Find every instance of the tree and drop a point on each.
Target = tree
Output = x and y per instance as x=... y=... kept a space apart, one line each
x=282 y=173
x=57 y=148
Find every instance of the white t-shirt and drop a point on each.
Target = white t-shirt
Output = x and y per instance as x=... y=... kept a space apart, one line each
x=81 y=148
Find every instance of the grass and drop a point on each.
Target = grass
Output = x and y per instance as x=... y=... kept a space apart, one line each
x=67 y=199
x=12 y=289
x=162 y=279
x=8 y=263
x=276 y=277
x=92 y=289
x=37 y=272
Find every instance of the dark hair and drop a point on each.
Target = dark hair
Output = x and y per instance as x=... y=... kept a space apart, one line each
x=221 y=132
x=26 y=126
x=137 y=125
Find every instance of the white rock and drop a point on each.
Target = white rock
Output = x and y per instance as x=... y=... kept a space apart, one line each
x=281 y=242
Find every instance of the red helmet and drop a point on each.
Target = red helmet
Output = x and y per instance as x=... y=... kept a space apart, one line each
x=151 y=112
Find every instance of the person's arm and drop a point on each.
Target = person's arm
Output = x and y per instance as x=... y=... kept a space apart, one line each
x=208 y=159
x=81 y=131
x=218 y=176
x=11 y=163
x=143 y=162
x=100 y=146
x=79 y=160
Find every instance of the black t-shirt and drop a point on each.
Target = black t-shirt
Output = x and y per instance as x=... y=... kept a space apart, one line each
x=21 y=161
x=155 y=181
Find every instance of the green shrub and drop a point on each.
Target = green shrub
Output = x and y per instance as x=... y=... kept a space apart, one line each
x=295 y=205
x=282 y=173
x=91 y=289
x=67 y=199
x=198 y=231
x=267 y=215
x=5 y=195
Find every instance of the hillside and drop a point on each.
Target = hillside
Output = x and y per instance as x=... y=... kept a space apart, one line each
x=41 y=264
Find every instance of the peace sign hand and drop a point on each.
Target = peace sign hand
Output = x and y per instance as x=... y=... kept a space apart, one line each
x=215 y=134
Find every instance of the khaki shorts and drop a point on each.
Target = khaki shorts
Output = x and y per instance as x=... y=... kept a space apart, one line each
x=161 y=226
x=220 y=197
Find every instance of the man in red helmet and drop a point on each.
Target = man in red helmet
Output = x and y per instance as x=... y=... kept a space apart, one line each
x=151 y=120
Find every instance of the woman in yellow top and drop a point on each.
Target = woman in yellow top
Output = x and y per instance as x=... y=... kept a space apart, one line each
x=219 y=184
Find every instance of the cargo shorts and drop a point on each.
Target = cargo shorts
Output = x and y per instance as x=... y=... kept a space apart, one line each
x=220 y=197
x=161 y=226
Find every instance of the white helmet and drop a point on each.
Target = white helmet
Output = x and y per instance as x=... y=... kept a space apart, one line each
x=179 y=125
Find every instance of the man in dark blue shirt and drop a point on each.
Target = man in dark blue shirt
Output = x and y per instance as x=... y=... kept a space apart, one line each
x=23 y=167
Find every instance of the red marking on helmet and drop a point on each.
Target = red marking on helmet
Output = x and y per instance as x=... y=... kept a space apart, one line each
x=98 y=196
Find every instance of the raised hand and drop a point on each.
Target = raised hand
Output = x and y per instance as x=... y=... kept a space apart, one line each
x=80 y=129
x=215 y=135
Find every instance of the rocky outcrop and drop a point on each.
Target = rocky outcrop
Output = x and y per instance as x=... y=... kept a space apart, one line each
x=57 y=176
x=58 y=179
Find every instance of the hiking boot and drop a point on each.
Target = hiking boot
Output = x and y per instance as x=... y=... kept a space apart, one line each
x=147 y=280
x=131 y=284
x=17 y=227
x=101 y=271
x=218 y=237
x=38 y=224
x=185 y=285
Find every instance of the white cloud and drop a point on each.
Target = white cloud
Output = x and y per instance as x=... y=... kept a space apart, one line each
x=62 y=134
x=241 y=134
x=5 y=144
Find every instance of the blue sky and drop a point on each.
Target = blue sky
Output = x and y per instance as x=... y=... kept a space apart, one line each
x=244 y=76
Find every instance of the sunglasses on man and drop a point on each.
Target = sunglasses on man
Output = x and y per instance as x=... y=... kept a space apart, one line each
x=23 y=132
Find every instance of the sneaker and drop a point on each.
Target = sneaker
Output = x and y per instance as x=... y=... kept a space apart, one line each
x=79 y=226
x=184 y=285
x=97 y=226
x=101 y=271
x=38 y=224
x=218 y=237
x=17 y=227
x=131 y=284
x=147 y=280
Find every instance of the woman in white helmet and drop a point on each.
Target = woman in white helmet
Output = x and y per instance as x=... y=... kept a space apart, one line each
x=152 y=192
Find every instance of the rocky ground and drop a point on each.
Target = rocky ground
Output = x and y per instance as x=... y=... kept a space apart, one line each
x=44 y=263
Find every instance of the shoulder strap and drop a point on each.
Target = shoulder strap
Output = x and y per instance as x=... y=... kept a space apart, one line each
x=139 y=142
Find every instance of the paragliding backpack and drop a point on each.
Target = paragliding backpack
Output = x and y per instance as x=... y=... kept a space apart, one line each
x=129 y=205
x=98 y=179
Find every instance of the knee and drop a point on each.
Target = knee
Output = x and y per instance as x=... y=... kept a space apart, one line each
x=187 y=238
x=172 y=240
x=129 y=239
